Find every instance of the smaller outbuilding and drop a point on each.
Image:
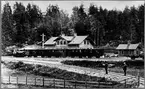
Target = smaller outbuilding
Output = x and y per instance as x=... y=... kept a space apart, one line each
x=131 y=50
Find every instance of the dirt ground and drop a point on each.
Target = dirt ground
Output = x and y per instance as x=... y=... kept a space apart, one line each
x=55 y=62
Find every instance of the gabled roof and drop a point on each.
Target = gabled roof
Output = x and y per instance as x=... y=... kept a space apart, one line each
x=126 y=46
x=78 y=40
x=68 y=38
x=50 y=41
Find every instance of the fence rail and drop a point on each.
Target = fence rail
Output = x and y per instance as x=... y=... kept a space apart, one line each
x=61 y=83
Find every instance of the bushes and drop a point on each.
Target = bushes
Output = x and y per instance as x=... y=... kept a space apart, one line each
x=135 y=62
x=95 y=64
x=133 y=65
x=13 y=65
x=84 y=63
x=20 y=66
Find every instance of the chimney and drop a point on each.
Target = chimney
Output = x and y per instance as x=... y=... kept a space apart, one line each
x=62 y=34
x=128 y=44
x=75 y=34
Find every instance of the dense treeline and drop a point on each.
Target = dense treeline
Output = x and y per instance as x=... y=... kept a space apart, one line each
x=26 y=24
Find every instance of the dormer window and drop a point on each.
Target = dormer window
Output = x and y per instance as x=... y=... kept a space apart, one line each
x=61 y=42
x=57 y=42
x=84 y=41
x=64 y=42
x=88 y=42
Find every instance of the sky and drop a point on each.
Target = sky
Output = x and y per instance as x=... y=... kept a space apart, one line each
x=68 y=5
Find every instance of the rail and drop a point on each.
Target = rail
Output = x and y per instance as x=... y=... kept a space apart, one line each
x=62 y=83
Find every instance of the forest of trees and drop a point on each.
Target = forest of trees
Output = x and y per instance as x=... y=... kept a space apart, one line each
x=22 y=25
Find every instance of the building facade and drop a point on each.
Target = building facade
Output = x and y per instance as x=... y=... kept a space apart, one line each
x=129 y=49
x=68 y=42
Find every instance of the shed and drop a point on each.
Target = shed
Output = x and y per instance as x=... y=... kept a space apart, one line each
x=129 y=49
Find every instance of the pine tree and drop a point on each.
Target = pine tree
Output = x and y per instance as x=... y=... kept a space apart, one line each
x=7 y=26
x=21 y=23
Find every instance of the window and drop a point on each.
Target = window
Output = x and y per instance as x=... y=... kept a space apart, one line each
x=137 y=52
x=128 y=52
x=84 y=41
x=88 y=42
x=57 y=42
x=65 y=42
x=61 y=42
x=121 y=52
x=131 y=52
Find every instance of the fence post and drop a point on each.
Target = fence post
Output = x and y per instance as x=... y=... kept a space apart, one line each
x=64 y=83
x=9 y=78
x=54 y=83
x=75 y=84
x=43 y=82
x=98 y=84
x=35 y=81
x=17 y=80
x=138 y=80
x=26 y=79
x=86 y=84
x=125 y=84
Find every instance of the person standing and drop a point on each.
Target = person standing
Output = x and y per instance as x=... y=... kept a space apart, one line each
x=106 y=68
x=124 y=68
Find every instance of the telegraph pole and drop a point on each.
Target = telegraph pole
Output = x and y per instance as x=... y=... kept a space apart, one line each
x=95 y=38
x=43 y=40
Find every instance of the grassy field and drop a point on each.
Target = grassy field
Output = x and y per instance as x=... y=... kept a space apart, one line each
x=50 y=72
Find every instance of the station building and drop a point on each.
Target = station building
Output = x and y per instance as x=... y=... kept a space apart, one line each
x=69 y=42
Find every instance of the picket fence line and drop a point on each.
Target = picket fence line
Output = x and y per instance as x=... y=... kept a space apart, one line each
x=55 y=83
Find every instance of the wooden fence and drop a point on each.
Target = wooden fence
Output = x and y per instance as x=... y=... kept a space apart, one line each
x=61 y=83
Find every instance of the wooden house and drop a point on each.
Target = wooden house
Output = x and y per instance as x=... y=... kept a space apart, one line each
x=69 y=42
x=129 y=49
x=63 y=46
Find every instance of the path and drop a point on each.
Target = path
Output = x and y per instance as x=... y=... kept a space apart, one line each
x=82 y=70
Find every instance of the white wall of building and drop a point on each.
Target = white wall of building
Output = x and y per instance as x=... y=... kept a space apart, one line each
x=86 y=44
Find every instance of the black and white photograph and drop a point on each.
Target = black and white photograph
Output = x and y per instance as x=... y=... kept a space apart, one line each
x=66 y=44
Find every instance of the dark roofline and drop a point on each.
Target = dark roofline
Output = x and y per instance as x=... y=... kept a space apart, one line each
x=91 y=40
